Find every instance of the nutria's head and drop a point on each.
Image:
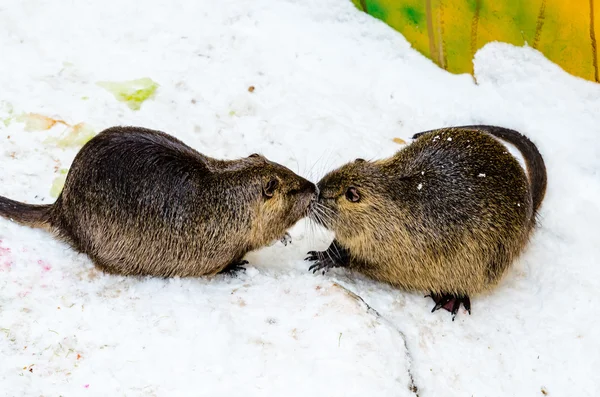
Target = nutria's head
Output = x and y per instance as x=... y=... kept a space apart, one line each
x=282 y=198
x=350 y=199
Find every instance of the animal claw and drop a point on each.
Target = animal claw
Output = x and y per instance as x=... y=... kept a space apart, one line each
x=450 y=303
x=334 y=256
x=441 y=301
x=316 y=267
x=286 y=239
x=235 y=267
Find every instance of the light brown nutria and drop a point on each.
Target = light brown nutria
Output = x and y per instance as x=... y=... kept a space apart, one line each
x=141 y=202
x=447 y=214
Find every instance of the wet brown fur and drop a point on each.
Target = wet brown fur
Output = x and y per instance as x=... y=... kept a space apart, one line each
x=141 y=202
x=447 y=214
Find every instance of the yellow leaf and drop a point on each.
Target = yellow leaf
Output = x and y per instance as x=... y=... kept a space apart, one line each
x=75 y=136
x=37 y=122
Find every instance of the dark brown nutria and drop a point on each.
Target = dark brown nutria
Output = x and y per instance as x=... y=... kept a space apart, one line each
x=447 y=214
x=141 y=202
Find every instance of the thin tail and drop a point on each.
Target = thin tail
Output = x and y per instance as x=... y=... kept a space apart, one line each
x=536 y=168
x=25 y=214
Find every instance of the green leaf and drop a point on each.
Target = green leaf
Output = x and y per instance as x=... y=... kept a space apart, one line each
x=58 y=183
x=132 y=92
x=76 y=136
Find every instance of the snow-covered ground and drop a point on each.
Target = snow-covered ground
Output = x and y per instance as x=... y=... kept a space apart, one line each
x=331 y=84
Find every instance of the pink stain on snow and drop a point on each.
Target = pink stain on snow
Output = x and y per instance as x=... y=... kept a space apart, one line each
x=46 y=267
x=3 y=251
x=86 y=386
x=7 y=263
x=6 y=266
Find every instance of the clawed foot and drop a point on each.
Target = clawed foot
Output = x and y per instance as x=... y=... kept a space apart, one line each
x=234 y=267
x=322 y=262
x=334 y=256
x=286 y=239
x=450 y=302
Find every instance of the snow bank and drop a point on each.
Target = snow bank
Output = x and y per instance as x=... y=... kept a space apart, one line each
x=331 y=84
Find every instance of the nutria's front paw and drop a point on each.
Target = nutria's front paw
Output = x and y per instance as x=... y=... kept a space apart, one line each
x=450 y=302
x=234 y=267
x=323 y=262
x=286 y=239
x=334 y=256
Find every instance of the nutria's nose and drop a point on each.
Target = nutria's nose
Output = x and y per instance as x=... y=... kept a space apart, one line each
x=308 y=187
x=320 y=186
x=311 y=188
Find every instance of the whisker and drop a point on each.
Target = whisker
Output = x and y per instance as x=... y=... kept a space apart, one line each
x=321 y=216
x=313 y=225
x=310 y=170
x=323 y=212
x=325 y=209
x=323 y=222
x=337 y=251
x=317 y=217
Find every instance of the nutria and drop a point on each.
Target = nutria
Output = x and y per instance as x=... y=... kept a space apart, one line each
x=447 y=214
x=141 y=202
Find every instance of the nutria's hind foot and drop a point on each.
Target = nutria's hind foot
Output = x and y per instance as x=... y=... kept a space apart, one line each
x=334 y=256
x=234 y=267
x=450 y=302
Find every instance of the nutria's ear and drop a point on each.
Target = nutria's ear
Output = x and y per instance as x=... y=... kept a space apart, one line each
x=359 y=160
x=352 y=194
x=270 y=186
x=254 y=155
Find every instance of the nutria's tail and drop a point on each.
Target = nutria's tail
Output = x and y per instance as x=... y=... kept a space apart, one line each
x=25 y=214
x=536 y=168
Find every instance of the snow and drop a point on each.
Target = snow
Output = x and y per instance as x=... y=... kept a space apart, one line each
x=331 y=84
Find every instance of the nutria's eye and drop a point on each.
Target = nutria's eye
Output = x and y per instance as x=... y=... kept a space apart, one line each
x=270 y=187
x=352 y=194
